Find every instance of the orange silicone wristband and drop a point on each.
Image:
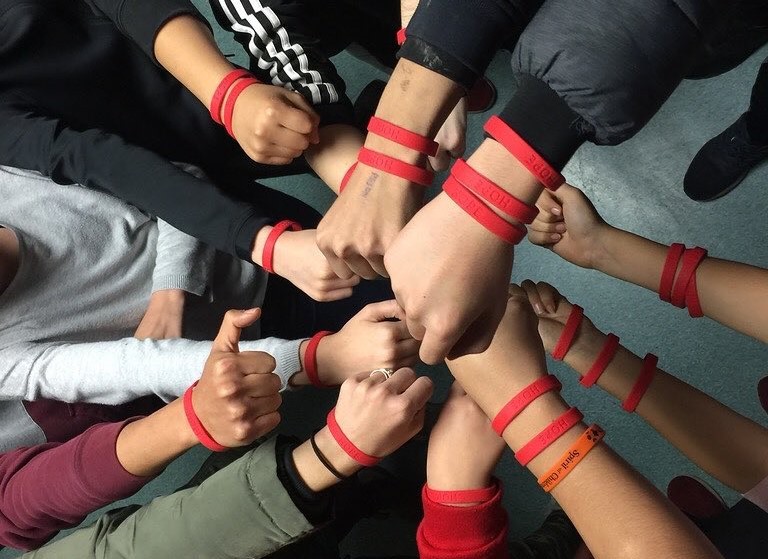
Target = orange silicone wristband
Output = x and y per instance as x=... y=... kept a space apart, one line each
x=571 y=457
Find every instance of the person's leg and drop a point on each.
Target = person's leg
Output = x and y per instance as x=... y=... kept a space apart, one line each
x=739 y=533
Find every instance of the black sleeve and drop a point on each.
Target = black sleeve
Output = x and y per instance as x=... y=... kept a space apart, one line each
x=141 y=20
x=459 y=38
x=97 y=159
x=284 y=49
x=316 y=507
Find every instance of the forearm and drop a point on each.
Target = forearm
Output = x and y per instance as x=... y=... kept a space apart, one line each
x=312 y=472
x=186 y=48
x=720 y=441
x=337 y=150
x=407 y=9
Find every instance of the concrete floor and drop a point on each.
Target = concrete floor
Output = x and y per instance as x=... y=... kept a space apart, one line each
x=637 y=186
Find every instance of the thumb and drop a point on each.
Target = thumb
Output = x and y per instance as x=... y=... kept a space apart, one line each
x=234 y=321
x=377 y=312
x=299 y=102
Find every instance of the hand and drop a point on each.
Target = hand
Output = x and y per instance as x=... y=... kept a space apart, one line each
x=379 y=415
x=463 y=448
x=164 y=316
x=450 y=275
x=298 y=260
x=274 y=125
x=370 y=340
x=569 y=224
x=364 y=220
x=452 y=137
x=237 y=397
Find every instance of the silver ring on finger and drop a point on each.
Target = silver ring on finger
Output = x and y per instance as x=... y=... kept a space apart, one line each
x=387 y=373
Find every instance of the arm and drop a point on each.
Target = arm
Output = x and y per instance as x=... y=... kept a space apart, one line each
x=731 y=293
x=720 y=441
x=623 y=508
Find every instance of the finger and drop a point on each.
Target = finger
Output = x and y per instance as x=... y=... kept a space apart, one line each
x=440 y=161
x=542 y=238
x=549 y=296
x=361 y=267
x=333 y=295
x=548 y=202
x=266 y=423
x=263 y=405
x=297 y=119
x=420 y=391
x=547 y=217
x=256 y=386
x=406 y=348
x=338 y=265
x=377 y=263
x=415 y=328
x=299 y=100
x=290 y=140
x=479 y=335
x=329 y=284
x=255 y=363
x=400 y=380
x=274 y=160
x=533 y=296
x=549 y=227
x=383 y=310
x=436 y=345
x=228 y=338
x=400 y=331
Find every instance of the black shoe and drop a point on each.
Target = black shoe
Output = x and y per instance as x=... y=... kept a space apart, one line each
x=723 y=163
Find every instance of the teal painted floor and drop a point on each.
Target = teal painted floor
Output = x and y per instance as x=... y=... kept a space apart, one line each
x=637 y=186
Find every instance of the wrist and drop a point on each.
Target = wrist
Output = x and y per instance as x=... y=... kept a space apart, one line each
x=172 y=296
x=603 y=253
x=328 y=367
x=313 y=472
x=586 y=347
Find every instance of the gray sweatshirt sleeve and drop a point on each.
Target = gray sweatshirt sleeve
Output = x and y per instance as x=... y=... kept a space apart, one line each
x=120 y=371
x=182 y=261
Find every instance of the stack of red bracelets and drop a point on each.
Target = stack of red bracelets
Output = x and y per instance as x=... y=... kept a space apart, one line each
x=238 y=78
x=680 y=289
x=605 y=356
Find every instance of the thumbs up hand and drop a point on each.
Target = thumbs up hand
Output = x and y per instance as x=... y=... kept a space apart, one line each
x=237 y=397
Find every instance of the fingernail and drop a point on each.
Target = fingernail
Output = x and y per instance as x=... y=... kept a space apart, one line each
x=557 y=211
x=555 y=236
x=251 y=311
x=538 y=308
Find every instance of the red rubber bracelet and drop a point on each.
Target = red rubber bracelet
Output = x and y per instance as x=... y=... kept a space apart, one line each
x=569 y=333
x=462 y=496
x=400 y=36
x=196 y=425
x=669 y=271
x=229 y=104
x=525 y=154
x=691 y=260
x=346 y=445
x=506 y=231
x=602 y=361
x=493 y=193
x=692 y=299
x=395 y=167
x=268 y=255
x=347 y=176
x=550 y=434
x=641 y=384
x=221 y=92
x=522 y=400
x=404 y=137
x=310 y=359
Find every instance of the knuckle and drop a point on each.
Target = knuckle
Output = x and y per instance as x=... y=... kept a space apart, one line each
x=237 y=411
x=225 y=366
x=227 y=389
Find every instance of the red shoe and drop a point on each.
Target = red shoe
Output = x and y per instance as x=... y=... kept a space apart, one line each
x=482 y=96
x=695 y=498
x=762 y=393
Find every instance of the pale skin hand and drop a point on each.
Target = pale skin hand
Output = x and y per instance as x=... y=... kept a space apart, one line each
x=236 y=400
x=297 y=259
x=271 y=124
x=164 y=316
x=452 y=137
x=722 y=442
x=731 y=293
x=463 y=448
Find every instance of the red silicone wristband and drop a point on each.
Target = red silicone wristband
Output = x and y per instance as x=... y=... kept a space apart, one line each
x=692 y=257
x=402 y=136
x=692 y=299
x=346 y=445
x=462 y=496
x=310 y=358
x=550 y=434
x=221 y=92
x=196 y=425
x=669 y=271
x=493 y=193
x=268 y=255
x=229 y=104
x=522 y=400
x=569 y=333
x=395 y=167
x=602 y=361
x=525 y=154
x=347 y=176
x=400 y=36
x=641 y=384
x=507 y=232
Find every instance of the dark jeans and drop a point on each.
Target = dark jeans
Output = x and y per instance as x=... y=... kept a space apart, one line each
x=757 y=115
x=739 y=533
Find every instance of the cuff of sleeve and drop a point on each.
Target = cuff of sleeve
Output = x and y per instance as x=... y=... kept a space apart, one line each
x=100 y=468
x=454 y=529
x=245 y=233
x=143 y=20
x=336 y=113
x=316 y=507
x=286 y=355
x=184 y=282
x=433 y=58
x=545 y=121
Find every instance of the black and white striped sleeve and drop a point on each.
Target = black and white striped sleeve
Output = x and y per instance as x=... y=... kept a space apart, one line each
x=284 y=49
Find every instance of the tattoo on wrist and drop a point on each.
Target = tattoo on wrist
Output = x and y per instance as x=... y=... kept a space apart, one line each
x=369 y=184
